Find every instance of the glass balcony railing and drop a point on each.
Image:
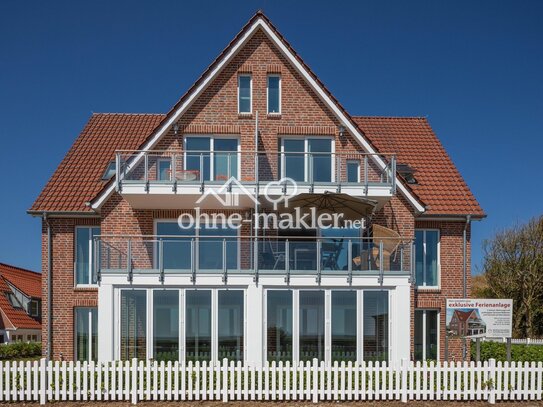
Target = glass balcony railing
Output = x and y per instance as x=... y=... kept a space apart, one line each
x=216 y=167
x=245 y=255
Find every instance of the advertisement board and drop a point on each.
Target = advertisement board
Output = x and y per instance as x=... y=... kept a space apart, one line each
x=479 y=317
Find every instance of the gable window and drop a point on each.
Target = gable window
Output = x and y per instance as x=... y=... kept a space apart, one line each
x=274 y=94
x=86 y=333
x=212 y=158
x=84 y=245
x=427 y=257
x=244 y=94
x=307 y=159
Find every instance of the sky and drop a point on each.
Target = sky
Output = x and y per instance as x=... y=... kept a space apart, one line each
x=473 y=68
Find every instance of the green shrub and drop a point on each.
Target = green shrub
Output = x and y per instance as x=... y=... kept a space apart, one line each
x=20 y=350
x=498 y=351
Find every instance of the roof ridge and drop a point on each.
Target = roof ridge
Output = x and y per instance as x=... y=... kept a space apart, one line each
x=392 y=117
x=19 y=268
x=126 y=114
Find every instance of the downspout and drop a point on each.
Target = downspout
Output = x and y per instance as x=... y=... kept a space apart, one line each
x=465 y=278
x=49 y=289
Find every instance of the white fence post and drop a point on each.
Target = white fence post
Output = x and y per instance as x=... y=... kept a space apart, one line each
x=43 y=381
x=315 y=381
x=404 y=373
x=224 y=380
x=134 y=381
x=492 y=381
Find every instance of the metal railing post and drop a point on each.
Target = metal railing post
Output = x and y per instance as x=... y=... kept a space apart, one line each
x=201 y=172
x=129 y=259
x=173 y=173
x=338 y=173
x=401 y=257
x=393 y=174
x=97 y=259
x=412 y=263
x=192 y=261
x=381 y=265
x=310 y=174
x=161 y=259
x=366 y=182
x=319 y=261
x=255 y=259
x=287 y=262
x=118 y=171
x=350 y=261
x=146 y=172
x=224 y=269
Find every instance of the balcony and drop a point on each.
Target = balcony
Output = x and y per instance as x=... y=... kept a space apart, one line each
x=169 y=179
x=228 y=255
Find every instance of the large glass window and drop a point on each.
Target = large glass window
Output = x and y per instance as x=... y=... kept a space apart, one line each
x=225 y=158
x=86 y=333
x=166 y=325
x=230 y=324
x=133 y=324
x=244 y=94
x=212 y=158
x=211 y=248
x=197 y=157
x=311 y=325
x=175 y=250
x=274 y=94
x=426 y=334
x=279 y=325
x=84 y=245
x=307 y=160
x=198 y=325
x=344 y=325
x=375 y=314
x=335 y=247
x=426 y=257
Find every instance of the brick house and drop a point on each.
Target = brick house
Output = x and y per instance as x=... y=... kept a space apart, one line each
x=20 y=305
x=131 y=273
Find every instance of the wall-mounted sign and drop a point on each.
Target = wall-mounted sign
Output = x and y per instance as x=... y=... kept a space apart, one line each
x=491 y=318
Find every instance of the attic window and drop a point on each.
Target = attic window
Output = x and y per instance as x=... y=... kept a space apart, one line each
x=407 y=173
x=109 y=172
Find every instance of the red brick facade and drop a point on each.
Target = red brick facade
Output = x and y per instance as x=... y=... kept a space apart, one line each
x=216 y=112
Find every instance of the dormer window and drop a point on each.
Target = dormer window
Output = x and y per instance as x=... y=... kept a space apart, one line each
x=109 y=172
x=274 y=94
x=244 y=94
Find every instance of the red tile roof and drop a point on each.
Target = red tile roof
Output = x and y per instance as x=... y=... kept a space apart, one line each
x=26 y=281
x=440 y=185
x=78 y=178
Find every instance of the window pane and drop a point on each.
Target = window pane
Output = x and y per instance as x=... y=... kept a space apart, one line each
x=353 y=171
x=84 y=245
x=164 y=170
x=230 y=325
x=311 y=325
x=294 y=164
x=273 y=94
x=343 y=325
x=166 y=324
x=221 y=160
x=320 y=163
x=375 y=325
x=199 y=158
x=133 y=324
x=279 y=325
x=335 y=247
x=244 y=94
x=211 y=248
x=419 y=257
x=419 y=335
x=82 y=334
x=94 y=333
x=175 y=251
x=198 y=325
x=431 y=257
x=431 y=334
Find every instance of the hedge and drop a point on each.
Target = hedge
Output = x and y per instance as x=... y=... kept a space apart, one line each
x=20 y=350
x=498 y=351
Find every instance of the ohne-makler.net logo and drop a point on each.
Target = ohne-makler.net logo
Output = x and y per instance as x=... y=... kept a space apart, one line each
x=228 y=195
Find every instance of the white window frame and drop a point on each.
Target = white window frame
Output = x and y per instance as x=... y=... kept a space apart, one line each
x=91 y=257
x=274 y=75
x=89 y=310
x=438 y=277
x=149 y=329
x=327 y=320
x=212 y=138
x=306 y=153
x=424 y=325
x=357 y=162
x=243 y=75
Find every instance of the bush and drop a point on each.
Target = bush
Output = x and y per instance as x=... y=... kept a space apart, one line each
x=20 y=350
x=498 y=351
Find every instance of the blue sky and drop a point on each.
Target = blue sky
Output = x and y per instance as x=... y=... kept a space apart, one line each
x=473 y=68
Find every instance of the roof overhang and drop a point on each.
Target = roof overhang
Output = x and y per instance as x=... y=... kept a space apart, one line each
x=259 y=21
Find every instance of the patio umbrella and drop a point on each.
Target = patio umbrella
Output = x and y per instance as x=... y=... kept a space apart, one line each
x=351 y=207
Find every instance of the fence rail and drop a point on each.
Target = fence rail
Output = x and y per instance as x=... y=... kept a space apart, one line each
x=524 y=341
x=136 y=381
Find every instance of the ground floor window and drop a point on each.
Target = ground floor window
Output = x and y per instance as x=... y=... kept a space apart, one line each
x=198 y=325
x=296 y=326
x=426 y=334
x=166 y=325
x=133 y=324
x=230 y=324
x=86 y=333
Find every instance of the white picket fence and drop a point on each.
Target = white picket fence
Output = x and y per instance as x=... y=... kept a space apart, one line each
x=525 y=341
x=136 y=381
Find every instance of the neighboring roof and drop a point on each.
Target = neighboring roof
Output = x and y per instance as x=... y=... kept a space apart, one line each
x=78 y=178
x=26 y=281
x=439 y=183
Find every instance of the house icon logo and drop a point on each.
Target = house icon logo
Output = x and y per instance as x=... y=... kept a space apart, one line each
x=228 y=194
